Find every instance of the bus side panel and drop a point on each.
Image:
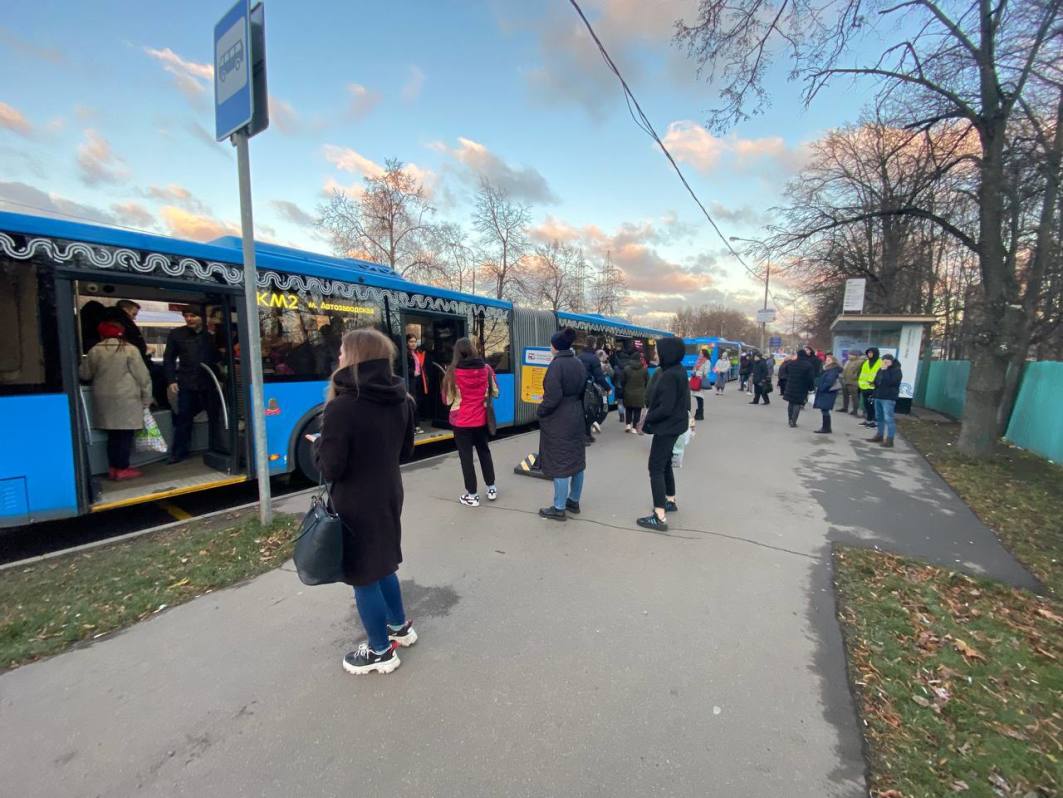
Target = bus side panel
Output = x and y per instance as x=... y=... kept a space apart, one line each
x=37 y=479
x=286 y=404
x=506 y=402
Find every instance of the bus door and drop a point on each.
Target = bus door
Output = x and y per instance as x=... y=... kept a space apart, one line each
x=433 y=339
x=203 y=408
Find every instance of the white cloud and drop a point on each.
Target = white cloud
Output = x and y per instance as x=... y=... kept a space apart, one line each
x=176 y=195
x=411 y=90
x=97 y=163
x=195 y=226
x=348 y=160
x=12 y=119
x=293 y=213
x=363 y=100
x=191 y=78
x=692 y=143
x=132 y=214
x=477 y=161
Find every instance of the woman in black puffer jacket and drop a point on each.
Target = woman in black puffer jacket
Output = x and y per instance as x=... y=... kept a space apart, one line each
x=667 y=417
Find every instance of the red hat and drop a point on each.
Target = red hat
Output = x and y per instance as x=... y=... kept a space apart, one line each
x=110 y=329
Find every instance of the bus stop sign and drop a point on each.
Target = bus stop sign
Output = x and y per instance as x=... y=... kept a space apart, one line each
x=234 y=102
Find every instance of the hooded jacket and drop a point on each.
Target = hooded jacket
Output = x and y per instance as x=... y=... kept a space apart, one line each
x=669 y=397
x=562 y=452
x=366 y=431
x=800 y=378
x=869 y=369
x=888 y=382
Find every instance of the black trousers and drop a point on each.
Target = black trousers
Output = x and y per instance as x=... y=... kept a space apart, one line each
x=634 y=414
x=190 y=403
x=466 y=439
x=826 y=420
x=662 y=478
x=759 y=393
x=700 y=413
x=119 y=447
x=793 y=411
x=869 y=404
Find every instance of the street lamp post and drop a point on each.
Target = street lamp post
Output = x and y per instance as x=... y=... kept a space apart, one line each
x=767 y=278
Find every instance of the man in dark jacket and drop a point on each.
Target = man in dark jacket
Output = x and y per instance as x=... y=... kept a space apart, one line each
x=593 y=366
x=667 y=417
x=619 y=361
x=745 y=370
x=562 y=452
x=800 y=379
x=760 y=376
x=188 y=364
x=887 y=391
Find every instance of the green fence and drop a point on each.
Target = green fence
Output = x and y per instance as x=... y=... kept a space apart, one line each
x=1036 y=423
x=946 y=386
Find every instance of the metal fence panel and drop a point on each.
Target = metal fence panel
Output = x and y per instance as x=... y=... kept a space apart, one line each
x=1036 y=423
x=946 y=386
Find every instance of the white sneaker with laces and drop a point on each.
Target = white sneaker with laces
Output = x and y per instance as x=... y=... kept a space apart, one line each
x=492 y=493
x=596 y=427
x=470 y=500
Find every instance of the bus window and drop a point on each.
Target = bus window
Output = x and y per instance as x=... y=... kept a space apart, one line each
x=28 y=347
x=494 y=343
x=301 y=335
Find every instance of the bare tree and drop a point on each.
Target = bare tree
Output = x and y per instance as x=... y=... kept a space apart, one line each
x=503 y=226
x=387 y=223
x=608 y=288
x=715 y=320
x=551 y=277
x=973 y=63
x=452 y=261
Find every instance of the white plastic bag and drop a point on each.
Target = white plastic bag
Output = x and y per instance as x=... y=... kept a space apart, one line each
x=679 y=448
x=150 y=438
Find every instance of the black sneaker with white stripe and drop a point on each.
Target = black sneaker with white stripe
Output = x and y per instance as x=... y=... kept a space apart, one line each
x=363 y=660
x=405 y=635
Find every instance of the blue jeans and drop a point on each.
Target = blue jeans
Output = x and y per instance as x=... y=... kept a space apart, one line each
x=887 y=425
x=567 y=488
x=380 y=604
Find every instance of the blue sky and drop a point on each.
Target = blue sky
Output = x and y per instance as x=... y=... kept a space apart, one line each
x=109 y=119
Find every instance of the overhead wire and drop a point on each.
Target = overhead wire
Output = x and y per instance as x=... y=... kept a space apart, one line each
x=643 y=122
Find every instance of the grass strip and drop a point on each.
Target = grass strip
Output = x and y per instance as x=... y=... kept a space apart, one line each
x=958 y=680
x=49 y=606
x=1016 y=494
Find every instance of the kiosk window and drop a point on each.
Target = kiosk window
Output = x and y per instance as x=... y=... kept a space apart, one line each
x=301 y=335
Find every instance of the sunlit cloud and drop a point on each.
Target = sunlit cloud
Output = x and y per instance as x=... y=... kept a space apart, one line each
x=174 y=194
x=349 y=160
x=12 y=119
x=692 y=143
x=191 y=78
x=97 y=163
x=195 y=227
x=132 y=214
x=475 y=160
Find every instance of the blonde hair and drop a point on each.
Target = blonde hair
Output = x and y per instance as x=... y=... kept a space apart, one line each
x=361 y=346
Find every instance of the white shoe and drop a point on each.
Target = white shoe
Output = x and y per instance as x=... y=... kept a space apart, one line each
x=596 y=427
x=628 y=428
x=470 y=500
x=492 y=493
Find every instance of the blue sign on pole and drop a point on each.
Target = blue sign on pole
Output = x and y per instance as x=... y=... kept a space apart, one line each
x=234 y=102
x=775 y=342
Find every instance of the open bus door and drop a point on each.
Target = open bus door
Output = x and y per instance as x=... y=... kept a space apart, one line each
x=218 y=442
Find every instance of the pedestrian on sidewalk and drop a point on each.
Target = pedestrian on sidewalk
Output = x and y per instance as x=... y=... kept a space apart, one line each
x=887 y=391
x=827 y=387
x=702 y=369
x=745 y=372
x=368 y=429
x=618 y=360
x=784 y=371
x=723 y=371
x=636 y=376
x=866 y=381
x=597 y=386
x=760 y=377
x=562 y=453
x=667 y=417
x=466 y=387
x=800 y=380
x=851 y=381
x=121 y=389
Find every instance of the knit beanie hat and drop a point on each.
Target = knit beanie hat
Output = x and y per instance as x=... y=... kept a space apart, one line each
x=563 y=339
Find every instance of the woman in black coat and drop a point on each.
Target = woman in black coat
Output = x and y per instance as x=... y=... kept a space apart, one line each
x=667 y=417
x=562 y=451
x=760 y=376
x=366 y=431
x=800 y=379
x=826 y=391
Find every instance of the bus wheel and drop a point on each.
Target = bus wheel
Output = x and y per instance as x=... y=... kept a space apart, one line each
x=304 y=451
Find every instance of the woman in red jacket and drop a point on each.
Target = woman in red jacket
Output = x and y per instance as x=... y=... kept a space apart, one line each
x=465 y=389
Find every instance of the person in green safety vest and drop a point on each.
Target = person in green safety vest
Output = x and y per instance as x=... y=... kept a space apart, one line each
x=866 y=384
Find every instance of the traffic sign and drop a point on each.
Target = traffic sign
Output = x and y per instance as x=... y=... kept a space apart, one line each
x=234 y=100
x=766 y=316
x=775 y=342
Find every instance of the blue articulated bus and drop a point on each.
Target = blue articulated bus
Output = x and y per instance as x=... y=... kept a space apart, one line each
x=57 y=278
x=716 y=347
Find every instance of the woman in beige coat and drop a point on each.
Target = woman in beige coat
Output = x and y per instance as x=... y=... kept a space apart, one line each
x=121 y=389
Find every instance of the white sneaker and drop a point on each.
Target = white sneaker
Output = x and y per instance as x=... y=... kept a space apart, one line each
x=596 y=427
x=470 y=500
x=628 y=428
x=492 y=493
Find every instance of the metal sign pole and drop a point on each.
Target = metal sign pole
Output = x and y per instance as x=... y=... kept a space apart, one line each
x=252 y=347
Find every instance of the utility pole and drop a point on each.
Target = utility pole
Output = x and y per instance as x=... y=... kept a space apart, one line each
x=764 y=324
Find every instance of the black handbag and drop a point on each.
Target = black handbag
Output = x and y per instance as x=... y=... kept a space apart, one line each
x=489 y=404
x=318 y=551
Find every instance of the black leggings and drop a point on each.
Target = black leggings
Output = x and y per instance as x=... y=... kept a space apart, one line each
x=119 y=447
x=466 y=438
x=759 y=393
x=794 y=410
x=701 y=404
x=869 y=405
x=662 y=478
x=633 y=415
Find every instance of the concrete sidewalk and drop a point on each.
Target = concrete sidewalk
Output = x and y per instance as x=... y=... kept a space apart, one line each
x=589 y=658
